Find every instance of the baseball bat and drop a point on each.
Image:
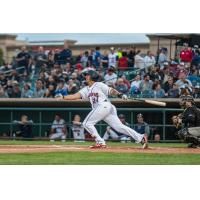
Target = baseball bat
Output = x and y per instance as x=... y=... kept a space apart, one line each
x=153 y=102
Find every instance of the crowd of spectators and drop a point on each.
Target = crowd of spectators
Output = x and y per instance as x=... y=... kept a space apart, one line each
x=45 y=74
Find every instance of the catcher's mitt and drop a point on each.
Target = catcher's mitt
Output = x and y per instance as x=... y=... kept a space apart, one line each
x=176 y=121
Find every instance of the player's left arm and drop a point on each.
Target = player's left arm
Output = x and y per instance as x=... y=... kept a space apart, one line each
x=114 y=92
x=69 y=97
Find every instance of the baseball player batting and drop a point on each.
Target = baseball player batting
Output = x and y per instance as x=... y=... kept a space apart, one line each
x=102 y=109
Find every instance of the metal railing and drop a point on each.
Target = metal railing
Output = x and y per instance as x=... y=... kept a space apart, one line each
x=43 y=118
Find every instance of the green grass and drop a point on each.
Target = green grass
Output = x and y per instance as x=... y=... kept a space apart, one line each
x=96 y=158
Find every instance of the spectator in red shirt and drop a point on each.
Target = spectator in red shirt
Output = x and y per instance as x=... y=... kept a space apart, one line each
x=123 y=62
x=186 y=54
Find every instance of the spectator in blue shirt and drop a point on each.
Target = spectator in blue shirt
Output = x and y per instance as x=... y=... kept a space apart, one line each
x=158 y=92
x=193 y=77
x=65 y=55
x=61 y=89
x=97 y=57
x=196 y=58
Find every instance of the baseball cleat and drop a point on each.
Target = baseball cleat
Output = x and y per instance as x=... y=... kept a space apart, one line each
x=144 y=142
x=98 y=146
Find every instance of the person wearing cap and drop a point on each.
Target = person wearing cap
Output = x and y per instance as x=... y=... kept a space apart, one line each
x=142 y=127
x=112 y=58
x=115 y=135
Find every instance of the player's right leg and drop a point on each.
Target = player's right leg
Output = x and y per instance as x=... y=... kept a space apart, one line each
x=113 y=120
x=96 y=115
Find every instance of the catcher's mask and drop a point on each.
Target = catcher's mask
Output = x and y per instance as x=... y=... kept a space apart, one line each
x=184 y=99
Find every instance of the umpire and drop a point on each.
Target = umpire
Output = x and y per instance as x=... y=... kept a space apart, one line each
x=190 y=120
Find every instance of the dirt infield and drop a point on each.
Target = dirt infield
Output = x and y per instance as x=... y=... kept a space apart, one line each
x=76 y=148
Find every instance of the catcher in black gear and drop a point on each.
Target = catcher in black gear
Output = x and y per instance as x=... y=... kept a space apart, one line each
x=188 y=123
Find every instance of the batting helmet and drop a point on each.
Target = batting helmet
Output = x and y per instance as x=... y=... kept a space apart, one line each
x=93 y=75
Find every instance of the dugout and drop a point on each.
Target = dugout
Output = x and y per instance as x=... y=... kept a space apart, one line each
x=42 y=112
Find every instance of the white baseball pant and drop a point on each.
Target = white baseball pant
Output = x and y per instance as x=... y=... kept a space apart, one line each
x=107 y=112
x=57 y=136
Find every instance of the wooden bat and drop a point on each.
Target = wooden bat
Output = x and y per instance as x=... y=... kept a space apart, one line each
x=153 y=102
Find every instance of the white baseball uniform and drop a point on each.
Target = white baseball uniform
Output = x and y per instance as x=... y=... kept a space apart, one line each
x=102 y=109
x=58 y=126
x=78 y=132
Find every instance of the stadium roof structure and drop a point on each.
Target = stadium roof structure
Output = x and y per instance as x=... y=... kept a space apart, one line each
x=174 y=35
x=85 y=38
x=190 y=38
